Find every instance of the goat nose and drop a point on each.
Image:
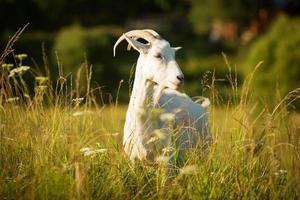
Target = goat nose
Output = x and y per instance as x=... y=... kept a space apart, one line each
x=180 y=78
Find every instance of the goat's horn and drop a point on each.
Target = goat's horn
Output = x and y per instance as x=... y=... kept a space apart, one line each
x=145 y=34
x=154 y=33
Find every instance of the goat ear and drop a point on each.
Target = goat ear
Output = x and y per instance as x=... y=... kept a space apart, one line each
x=177 y=48
x=140 y=47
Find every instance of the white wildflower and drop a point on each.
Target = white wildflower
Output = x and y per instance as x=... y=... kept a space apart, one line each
x=87 y=151
x=78 y=99
x=178 y=110
x=27 y=96
x=162 y=159
x=41 y=87
x=167 y=150
x=7 y=66
x=79 y=113
x=152 y=139
x=167 y=117
x=159 y=133
x=110 y=134
x=21 y=56
x=18 y=70
x=12 y=99
x=84 y=149
x=205 y=103
x=280 y=172
x=115 y=134
x=100 y=150
x=189 y=169
x=7 y=138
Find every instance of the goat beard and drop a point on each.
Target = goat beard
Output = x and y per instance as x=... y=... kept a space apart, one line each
x=157 y=95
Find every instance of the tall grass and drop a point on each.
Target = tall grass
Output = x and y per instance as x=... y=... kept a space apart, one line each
x=60 y=143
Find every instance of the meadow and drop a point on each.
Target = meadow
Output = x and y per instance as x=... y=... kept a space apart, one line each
x=62 y=143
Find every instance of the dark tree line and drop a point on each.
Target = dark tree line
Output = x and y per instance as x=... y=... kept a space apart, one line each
x=56 y=13
x=49 y=15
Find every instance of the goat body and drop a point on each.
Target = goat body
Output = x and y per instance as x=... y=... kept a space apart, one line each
x=157 y=78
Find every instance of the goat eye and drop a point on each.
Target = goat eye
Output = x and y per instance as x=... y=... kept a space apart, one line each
x=158 y=55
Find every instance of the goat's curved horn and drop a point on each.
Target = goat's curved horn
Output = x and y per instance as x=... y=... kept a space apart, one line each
x=154 y=33
x=146 y=34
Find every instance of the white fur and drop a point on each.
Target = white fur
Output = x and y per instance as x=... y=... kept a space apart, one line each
x=155 y=87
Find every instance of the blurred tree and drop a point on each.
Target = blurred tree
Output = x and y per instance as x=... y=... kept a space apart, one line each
x=279 y=49
x=71 y=44
x=49 y=15
x=76 y=44
x=204 y=12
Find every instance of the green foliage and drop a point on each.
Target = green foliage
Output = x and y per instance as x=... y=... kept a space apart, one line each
x=71 y=44
x=201 y=16
x=204 y=12
x=76 y=45
x=279 y=49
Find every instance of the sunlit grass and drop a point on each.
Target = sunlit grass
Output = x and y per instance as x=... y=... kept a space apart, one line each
x=42 y=157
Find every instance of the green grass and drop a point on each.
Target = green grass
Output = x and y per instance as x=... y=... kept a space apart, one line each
x=254 y=154
x=41 y=158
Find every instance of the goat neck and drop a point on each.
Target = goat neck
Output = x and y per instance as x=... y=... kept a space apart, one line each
x=142 y=90
x=139 y=99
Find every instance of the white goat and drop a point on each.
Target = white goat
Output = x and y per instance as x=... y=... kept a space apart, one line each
x=157 y=78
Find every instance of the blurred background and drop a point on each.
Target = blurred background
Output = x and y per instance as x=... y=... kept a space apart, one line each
x=247 y=31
